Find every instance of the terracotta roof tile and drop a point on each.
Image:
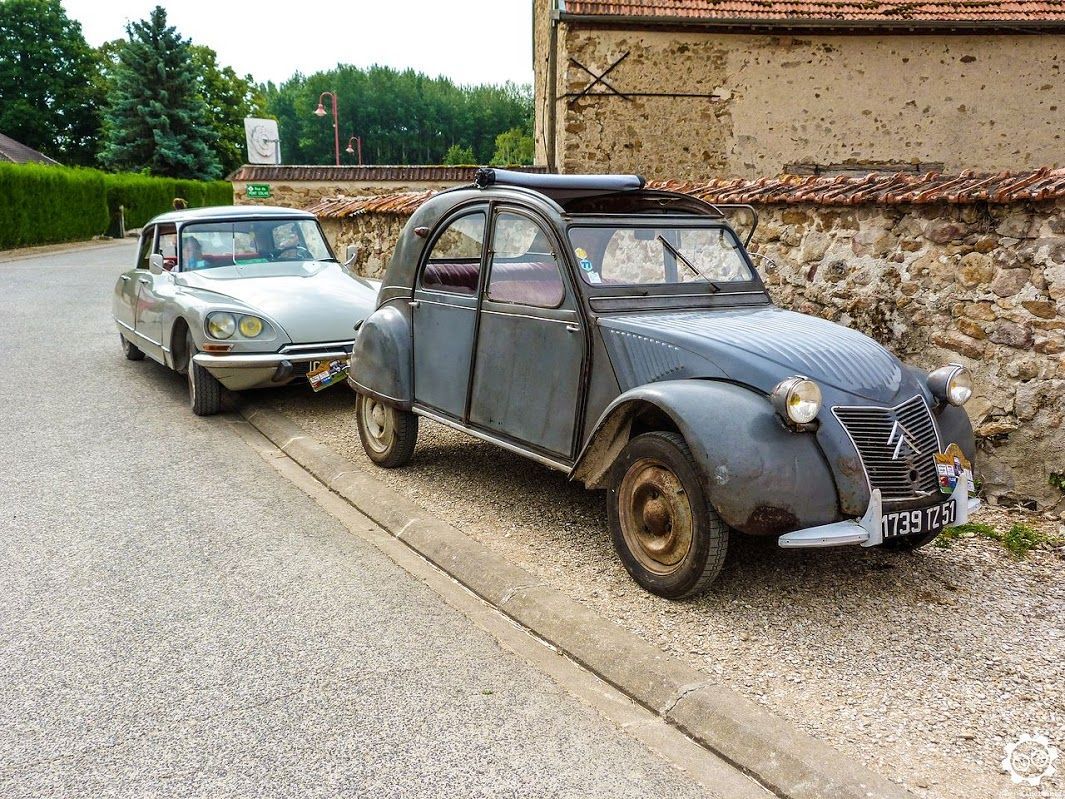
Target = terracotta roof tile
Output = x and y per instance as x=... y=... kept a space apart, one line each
x=858 y=11
x=873 y=189
x=326 y=173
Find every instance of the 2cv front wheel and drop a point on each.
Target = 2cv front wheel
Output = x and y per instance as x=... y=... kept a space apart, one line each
x=388 y=434
x=669 y=537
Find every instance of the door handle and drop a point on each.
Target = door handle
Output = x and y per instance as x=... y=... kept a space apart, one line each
x=573 y=328
x=125 y=278
x=414 y=303
x=144 y=280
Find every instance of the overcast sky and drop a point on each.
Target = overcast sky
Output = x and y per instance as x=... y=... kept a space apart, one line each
x=475 y=41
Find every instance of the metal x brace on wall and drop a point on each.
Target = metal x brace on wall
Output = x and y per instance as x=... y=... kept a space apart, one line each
x=597 y=79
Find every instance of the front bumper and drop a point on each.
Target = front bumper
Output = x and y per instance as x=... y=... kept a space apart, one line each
x=867 y=530
x=240 y=371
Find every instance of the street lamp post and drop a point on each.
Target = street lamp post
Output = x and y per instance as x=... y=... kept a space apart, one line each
x=357 y=141
x=320 y=112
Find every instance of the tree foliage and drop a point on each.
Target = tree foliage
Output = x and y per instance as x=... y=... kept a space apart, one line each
x=403 y=117
x=156 y=118
x=457 y=155
x=229 y=98
x=514 y=146
x=48 y=94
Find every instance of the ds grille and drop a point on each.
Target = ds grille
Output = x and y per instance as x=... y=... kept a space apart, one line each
x=896 y=446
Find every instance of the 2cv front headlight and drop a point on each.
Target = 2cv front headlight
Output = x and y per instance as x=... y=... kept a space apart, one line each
x=951 y=383
x=797 y=399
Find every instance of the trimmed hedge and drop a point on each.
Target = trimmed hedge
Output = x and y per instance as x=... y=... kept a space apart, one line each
x=42 y=204
x=143 y=197
x=45 y=204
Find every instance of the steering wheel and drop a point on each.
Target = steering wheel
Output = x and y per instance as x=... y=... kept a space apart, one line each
x=298 y=250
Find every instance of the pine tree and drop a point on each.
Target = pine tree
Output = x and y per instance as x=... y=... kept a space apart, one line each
x=155 y=119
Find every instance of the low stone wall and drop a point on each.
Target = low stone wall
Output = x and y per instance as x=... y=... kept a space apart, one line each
x=982 y=285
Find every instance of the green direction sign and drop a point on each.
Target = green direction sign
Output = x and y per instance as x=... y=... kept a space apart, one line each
x=259 y=191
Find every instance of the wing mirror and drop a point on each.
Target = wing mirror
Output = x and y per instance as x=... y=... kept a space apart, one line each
x=350 y=254
x=763 y=262
x=155 y=264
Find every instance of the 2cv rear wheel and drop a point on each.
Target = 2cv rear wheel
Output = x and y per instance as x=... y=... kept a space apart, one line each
x=667 y=534
x=388 y=434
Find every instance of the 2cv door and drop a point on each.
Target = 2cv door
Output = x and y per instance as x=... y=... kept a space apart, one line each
x=444 y=312
x=530 y=342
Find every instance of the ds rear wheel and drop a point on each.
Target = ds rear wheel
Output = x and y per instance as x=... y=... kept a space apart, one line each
x=668 y=536
x=388 y=434
x=130 y=350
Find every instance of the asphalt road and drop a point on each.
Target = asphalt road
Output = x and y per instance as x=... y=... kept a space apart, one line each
x=177 y=619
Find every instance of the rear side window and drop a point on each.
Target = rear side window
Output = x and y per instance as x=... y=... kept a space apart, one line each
x=454 y=263
x=524 y=270
x=147 y=237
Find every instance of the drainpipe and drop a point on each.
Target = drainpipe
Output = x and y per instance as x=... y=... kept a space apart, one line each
x=550 y=117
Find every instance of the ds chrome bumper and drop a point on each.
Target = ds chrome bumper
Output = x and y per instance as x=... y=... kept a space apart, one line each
x=266 y=360
x=868 y=530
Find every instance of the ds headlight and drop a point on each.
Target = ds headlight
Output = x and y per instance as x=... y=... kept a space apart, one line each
x=797 y=399
x=221 y=325
x=951 y=383
x=250 y=326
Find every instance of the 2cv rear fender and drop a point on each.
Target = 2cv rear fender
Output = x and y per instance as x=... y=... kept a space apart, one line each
x=761 y=477
x=382 y=358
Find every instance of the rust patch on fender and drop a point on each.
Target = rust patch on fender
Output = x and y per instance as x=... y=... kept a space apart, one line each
x=767 y=520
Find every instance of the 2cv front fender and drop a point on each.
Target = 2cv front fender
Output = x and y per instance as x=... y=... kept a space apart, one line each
x=760 y=476
x=381 y=363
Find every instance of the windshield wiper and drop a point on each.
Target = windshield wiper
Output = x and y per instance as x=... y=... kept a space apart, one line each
x=680 y=257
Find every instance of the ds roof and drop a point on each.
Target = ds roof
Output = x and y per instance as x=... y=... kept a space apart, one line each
x=225 y=212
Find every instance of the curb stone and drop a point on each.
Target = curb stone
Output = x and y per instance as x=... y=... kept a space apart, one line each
x=787 y=761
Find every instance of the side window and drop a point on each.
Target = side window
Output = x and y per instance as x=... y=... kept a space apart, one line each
x=524 y=269
x=454 y=263
x=166 y=245
x=147 y=237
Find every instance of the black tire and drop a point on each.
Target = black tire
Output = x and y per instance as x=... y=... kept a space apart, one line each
x=205 y=392
x=669 y=537
x=130 y=350
x=388 y=434
x=910 y=543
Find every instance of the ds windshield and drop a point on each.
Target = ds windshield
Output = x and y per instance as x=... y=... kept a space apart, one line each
x=658 y=254
x=208 y=245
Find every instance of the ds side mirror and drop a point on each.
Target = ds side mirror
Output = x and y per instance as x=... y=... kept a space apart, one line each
x=155 y=264
x=350 y=254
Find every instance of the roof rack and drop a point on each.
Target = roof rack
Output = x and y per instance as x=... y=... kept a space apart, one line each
x=595 y=183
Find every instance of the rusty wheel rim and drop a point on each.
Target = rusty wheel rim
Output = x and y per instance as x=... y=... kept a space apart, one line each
x=377 y=424
x=656 y=516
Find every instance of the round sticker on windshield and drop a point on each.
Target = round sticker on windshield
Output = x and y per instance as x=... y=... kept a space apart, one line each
x=581 y=252
x=586 y=265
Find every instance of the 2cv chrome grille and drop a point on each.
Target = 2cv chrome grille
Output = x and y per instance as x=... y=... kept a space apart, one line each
x=896 y=446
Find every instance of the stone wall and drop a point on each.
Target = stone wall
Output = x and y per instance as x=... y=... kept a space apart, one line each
x=981 y=285
x=756 y=103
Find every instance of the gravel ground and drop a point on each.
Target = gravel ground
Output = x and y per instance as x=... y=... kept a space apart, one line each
x=922 y=666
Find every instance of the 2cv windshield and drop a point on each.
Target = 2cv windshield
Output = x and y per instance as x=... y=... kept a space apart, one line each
x=206 y=245
x=658 y=253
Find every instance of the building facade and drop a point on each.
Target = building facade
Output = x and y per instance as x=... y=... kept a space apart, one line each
x=692 y=89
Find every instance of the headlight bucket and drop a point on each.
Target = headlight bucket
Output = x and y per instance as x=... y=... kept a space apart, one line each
x=797 y=399
x=221 y=325
x=952 y=383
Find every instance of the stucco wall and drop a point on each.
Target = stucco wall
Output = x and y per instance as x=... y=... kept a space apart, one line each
x=978 y=285
x=967 y=102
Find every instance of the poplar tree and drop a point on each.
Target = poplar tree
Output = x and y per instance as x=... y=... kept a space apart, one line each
x=155 y=118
